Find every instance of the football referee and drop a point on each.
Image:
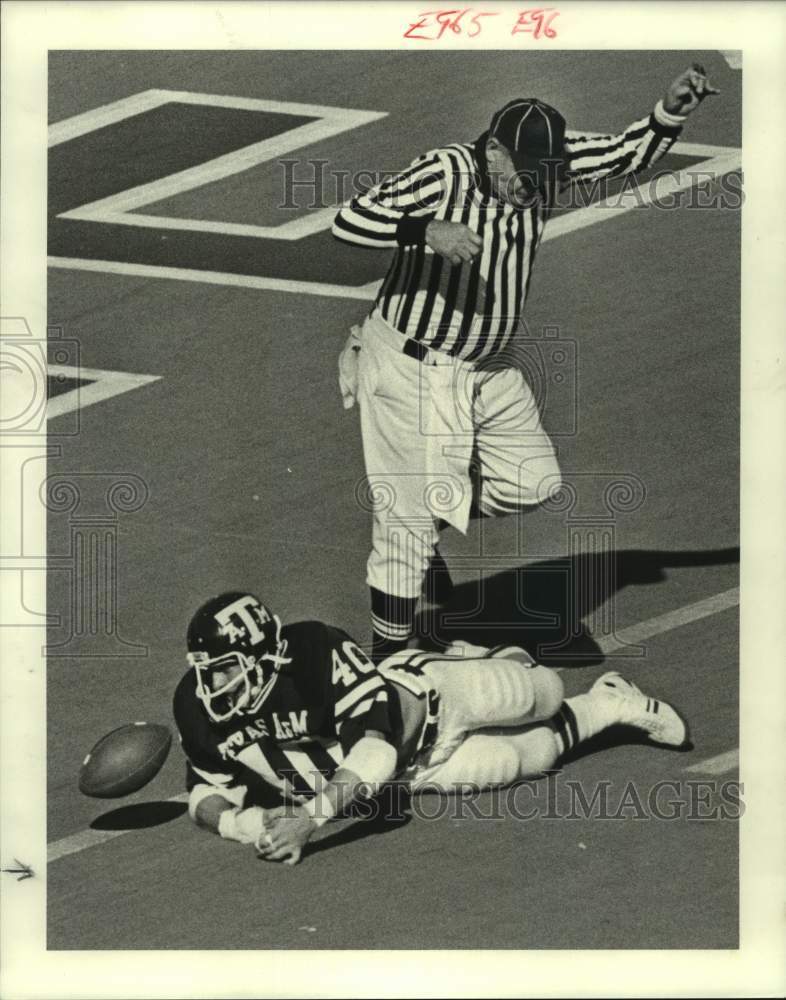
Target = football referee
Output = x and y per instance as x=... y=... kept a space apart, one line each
x=431 y=367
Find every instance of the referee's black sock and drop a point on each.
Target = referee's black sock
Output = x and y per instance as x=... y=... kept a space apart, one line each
x=391 y=620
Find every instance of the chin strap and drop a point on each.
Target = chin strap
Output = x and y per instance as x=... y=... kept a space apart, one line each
x=279 y=659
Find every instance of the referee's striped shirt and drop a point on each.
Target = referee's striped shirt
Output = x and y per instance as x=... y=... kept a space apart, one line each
x=472 y=310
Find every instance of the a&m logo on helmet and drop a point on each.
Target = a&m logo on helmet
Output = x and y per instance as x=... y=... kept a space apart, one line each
x=243 y=620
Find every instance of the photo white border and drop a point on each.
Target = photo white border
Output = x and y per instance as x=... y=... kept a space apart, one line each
x=758 y=29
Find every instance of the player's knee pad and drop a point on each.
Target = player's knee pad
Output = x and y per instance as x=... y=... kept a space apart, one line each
x=508 y=693
x=537 y=751
x=503 y=693
x=549 y=692
x=507 y=757
x=498 y=764
x=483 y=760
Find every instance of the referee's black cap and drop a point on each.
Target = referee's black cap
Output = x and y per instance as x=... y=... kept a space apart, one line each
x=533 y=133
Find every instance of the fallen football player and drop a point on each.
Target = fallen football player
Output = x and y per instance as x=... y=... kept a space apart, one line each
x=300 y=708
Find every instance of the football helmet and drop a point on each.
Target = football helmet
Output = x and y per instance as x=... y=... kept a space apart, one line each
x=235 y=630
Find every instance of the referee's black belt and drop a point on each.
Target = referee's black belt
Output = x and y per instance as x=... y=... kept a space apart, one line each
x=415 y=349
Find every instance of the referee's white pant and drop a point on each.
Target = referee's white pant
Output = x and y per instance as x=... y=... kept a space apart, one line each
x=420 y=423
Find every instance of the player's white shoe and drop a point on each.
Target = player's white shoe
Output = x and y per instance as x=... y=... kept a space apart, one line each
x=634 y=708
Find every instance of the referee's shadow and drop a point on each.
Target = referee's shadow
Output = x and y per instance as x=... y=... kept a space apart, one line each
x=556 y=608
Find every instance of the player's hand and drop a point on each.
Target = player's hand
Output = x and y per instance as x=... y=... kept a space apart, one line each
x=286 y=833
x=250 y=825
x=453 y=240
x=688 y=91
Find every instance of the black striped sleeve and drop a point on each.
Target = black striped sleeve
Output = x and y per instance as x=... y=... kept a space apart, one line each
x=643 y=142
x=396 y=211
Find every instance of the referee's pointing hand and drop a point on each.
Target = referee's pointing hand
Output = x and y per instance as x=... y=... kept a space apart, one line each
x=688 y=91
x=453 y=240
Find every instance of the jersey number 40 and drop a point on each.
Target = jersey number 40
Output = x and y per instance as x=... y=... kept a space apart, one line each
x=353 y=662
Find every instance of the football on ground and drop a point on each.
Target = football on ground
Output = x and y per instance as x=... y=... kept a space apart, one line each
x=124 y=760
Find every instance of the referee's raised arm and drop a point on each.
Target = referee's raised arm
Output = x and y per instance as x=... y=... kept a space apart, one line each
x=591 y=157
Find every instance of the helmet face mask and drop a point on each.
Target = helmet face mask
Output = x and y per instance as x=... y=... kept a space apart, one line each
x=236 y=650
x=233 y=695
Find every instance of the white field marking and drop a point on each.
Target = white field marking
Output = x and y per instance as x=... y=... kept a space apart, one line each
x=671 y=620
x=720 y=764
x=90 y=838
x=103 y=385
x=701 y=149
x=653 y=626
x=616 y=205
x=121 y=208
x=635 y=634
x=214 y=278
x=295 y=229
x=107 y=114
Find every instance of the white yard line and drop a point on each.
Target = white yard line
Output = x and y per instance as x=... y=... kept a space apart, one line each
x=671 y=620
x=647 y=195
x=295 y=229
x=215 y=278
x=701 y=149
x=720 y=764
x=90 y=838
x=653 y=626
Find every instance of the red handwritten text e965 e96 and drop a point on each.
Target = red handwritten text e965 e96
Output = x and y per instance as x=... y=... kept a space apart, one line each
x=469 y=22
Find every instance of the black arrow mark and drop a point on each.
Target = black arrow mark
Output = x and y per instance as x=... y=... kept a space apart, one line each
x=23 y=871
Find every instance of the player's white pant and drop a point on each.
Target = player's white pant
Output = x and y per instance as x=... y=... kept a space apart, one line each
x=489 y=722
x=491 y=758
x=420 y=421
